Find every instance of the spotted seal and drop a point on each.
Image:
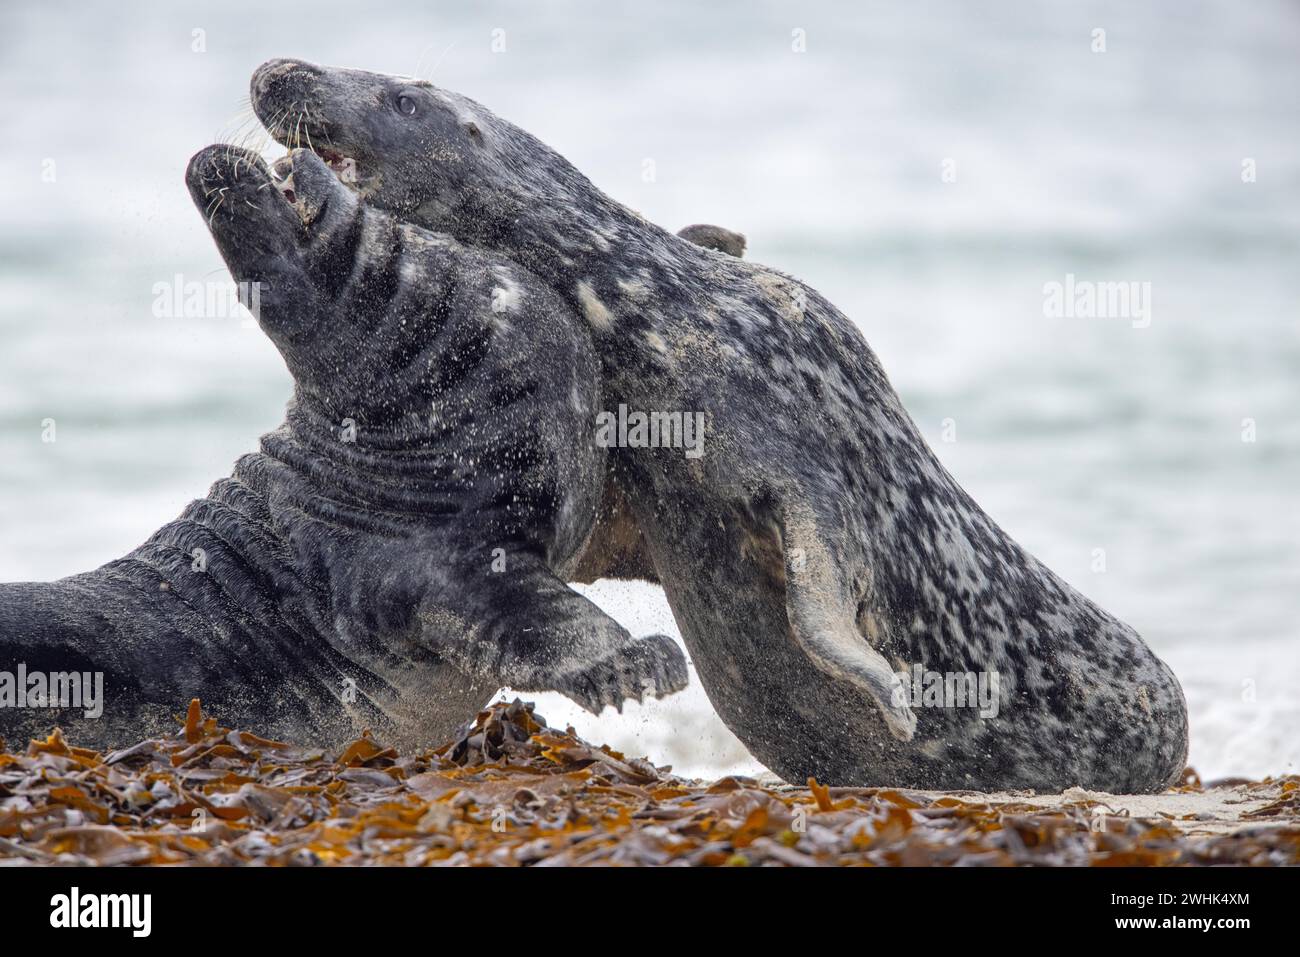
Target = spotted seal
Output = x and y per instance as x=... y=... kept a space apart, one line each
x=818 y=549
x=397 y=550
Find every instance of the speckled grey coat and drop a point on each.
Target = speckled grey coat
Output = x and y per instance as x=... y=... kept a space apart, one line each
x=818 y=547
x=398 y=549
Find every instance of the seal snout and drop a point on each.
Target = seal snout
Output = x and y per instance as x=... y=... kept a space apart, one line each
x=280 y=80
x=235 y=193
x=215 y=172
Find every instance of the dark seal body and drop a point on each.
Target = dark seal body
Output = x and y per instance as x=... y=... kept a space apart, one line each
x=817 y=549
x=398 y=549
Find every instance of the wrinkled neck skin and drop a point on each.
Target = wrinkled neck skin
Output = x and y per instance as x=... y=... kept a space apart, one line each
x=372 y=427
x=354 y=480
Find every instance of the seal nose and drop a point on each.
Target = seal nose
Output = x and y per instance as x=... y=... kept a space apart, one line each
x=218 y=167
x=277 y=79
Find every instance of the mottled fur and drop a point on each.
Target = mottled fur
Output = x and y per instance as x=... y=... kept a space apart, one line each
x=398 y=549
x=818 y=546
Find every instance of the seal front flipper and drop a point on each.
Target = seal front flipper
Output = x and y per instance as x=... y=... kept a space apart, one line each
x=524 y=627
x=822 y=618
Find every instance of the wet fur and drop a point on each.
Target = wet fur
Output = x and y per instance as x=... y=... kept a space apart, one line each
x=397 y=549
x=884 y=561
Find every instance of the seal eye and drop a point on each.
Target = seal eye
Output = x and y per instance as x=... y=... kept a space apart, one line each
x=405 y=105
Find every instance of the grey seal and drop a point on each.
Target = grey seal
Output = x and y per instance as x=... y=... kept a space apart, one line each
x=398 y=548
x=818 y=549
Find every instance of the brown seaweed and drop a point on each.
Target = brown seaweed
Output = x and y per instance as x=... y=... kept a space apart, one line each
x=511 y=791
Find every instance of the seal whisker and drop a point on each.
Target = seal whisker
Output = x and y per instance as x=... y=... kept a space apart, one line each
x=282 y=124
x=322 y=129
x=420 y=59
x=242 y=127
x=221 y=198
x=438 y=62
x=270 y=131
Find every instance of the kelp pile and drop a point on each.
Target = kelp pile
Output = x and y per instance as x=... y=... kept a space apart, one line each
x=511 y=791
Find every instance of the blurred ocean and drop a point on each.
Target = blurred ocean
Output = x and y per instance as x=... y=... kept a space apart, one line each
x=1075 y=434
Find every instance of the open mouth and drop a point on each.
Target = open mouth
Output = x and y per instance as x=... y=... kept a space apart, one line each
x=343 y=167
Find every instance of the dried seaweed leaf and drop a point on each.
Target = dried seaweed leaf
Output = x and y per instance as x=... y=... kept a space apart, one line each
x=510 y=791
